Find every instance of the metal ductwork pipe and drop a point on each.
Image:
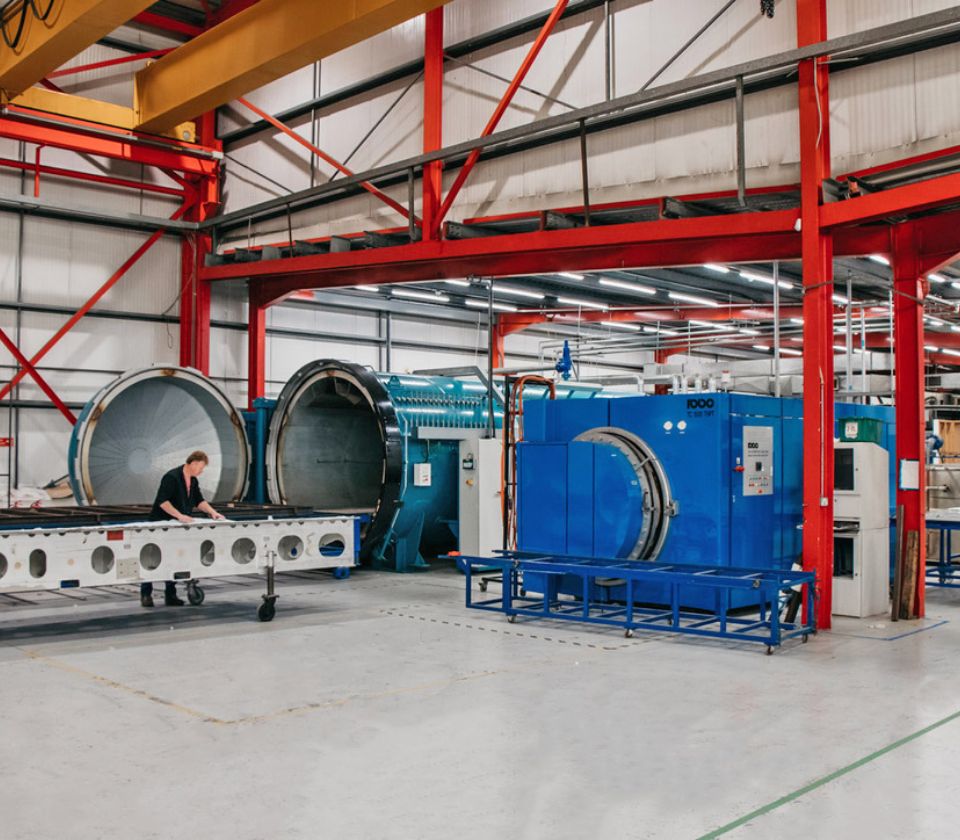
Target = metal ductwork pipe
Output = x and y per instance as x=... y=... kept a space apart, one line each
x=148 y=421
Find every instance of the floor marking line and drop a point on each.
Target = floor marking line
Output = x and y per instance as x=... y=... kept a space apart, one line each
x=891 y=638
x=823 y=780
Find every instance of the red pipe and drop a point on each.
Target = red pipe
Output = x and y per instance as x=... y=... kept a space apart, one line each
x=501 y=108
x=165 y=24
x=99 y=65
x=56 y=172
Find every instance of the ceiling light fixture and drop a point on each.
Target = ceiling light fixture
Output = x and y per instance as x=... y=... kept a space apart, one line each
x=621 y=325
x=413 y=295
x=879 y=258
x=692 y=299
x=627 y=287
x=512 y=290
x=482 y=304
x=720 y=269
x=570 y=275
x=588 y=304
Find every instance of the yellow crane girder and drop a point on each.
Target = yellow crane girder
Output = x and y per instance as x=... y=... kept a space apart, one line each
x=256 y=46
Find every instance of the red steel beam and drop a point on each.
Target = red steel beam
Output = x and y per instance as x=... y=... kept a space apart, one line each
x=44 y=386
x=166 y=24
x=91 y=302
x=896 y=201
x=228 y=10
x=908 y=289
x=370 y=188
x=433 y=121
x=504 y=103
x=817 y=257
x=70 y=135
x=56 y=172
x=256 y=347
x=110 y=62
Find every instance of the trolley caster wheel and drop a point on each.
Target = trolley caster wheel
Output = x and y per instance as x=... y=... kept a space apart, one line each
x=483 y=586
x=267 y=610
x=512 y=619
x=628 y=633
x=769 y=650
x=806 y=638
x=195 y=594
x=341 y=572
x=523 y=593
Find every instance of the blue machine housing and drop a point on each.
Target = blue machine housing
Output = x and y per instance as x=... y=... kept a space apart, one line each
x=344 y=438
x=582 y=498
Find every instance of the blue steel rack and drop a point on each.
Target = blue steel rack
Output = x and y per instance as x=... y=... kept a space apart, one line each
x=946 y=571
x=768 y=585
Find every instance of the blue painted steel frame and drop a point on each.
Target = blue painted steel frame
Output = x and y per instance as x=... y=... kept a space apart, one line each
x=945 y=572
x=766 y=585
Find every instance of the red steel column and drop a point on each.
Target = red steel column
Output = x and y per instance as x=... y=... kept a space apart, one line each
x=256 y=348
x=432 y=120
x=909 y=290
x=818 y=410
x=195 y=291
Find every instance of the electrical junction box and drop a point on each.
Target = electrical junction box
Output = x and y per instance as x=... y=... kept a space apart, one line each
x=422 y=476
x=481 y=517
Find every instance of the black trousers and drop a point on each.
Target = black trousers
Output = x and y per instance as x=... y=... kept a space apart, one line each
x=170 y=588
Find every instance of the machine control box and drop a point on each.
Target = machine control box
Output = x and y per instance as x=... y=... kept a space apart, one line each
x=757 y=460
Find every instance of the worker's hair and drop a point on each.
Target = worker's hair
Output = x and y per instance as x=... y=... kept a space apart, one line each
x=198 y=456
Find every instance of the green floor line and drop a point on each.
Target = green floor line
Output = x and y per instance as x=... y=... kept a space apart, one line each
x=836 y=774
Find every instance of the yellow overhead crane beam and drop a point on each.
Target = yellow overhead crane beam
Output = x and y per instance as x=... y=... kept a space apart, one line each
x=269 y=40
x=71 y=27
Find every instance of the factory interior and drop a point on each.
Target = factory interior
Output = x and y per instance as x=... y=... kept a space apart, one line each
x=474 y=418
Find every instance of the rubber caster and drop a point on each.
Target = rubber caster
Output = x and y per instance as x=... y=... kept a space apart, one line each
x=523 y=593
x=483 y=586
x=195 y=594
x=806 y=638
x=769 y=650
x=267 y=610
x=512 y=619
x=341 y=572
x=628 y=633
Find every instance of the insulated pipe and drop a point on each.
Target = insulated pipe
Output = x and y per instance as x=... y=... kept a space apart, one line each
x=148 y=421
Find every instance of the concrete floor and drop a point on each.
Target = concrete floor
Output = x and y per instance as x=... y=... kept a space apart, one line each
x=380 y=708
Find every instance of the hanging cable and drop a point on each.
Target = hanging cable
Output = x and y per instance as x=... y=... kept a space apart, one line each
x=767 y=8
x=16 y=10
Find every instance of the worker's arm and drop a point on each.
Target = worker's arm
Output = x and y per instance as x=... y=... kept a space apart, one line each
x=170 y=510
x=205 y=507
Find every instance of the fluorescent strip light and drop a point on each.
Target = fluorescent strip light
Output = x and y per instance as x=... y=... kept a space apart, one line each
x=570 y=275
x=660 y=331
x=841 y=300
x=668 y=332
x=482 y=304
x=879 y=258
x=955 y=327
x=950 y=352
x=712 y=326
x=931 y=349
x=366 y=288
x=747 y=331
x=761 y=347
x=463 y=283
x=588 y=304
x=936 y=322
x=628 y=287
x=428 y=296
x=511 y=290
x=693 y=299
x=839 y=348
x=621 y=325
x=720 y=269
x=796 y=321
x=788 y=351
x=937 y=278
x=763 y=278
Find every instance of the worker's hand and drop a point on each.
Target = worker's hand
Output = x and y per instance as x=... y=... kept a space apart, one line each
x=216 y=515
x=186 y=519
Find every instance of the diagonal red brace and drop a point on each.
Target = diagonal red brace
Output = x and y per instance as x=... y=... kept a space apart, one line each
x=44 y=386
x=501 y=108
x=396 y=205
x=83 y=310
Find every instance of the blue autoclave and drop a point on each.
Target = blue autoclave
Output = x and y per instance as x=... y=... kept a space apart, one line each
x=342 y=437
x=710 y=479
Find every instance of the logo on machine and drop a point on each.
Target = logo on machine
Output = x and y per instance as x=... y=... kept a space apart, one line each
x=752 y=444
x=700 y=406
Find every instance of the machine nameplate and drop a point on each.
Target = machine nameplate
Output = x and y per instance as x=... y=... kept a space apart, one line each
x=757 y=460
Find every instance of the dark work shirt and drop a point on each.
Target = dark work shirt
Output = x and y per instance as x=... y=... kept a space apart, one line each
x=173 y=489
